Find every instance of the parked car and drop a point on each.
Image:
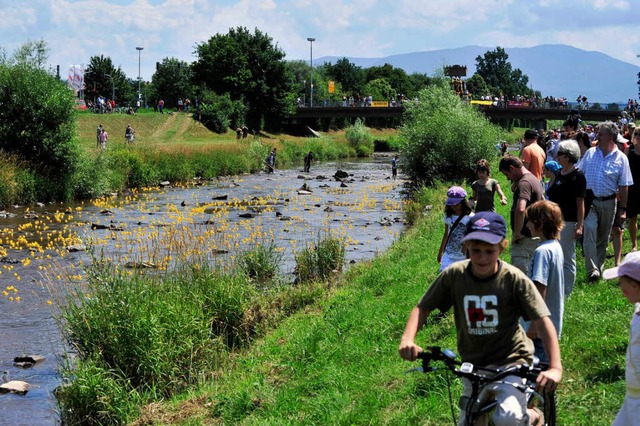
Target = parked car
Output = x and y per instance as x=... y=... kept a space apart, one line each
x=80 y=104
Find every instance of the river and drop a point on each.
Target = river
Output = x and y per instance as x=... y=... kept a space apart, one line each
x=163 y=227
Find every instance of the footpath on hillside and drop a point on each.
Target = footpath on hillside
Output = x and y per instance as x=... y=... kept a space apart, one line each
x=176 y=122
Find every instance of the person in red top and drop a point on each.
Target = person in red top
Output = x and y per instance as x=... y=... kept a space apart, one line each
x=532 y=155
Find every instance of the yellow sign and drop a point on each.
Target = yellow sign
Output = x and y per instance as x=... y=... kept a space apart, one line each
x=380 y=104
x=488 y=103
x=331 y=86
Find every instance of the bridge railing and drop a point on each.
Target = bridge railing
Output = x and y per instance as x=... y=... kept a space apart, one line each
x=333 y=103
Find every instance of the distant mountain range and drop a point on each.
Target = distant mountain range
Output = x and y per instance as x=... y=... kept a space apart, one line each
x=553 y=69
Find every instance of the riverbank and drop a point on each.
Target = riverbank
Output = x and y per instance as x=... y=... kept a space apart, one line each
x=172 y=148
x=336 y=361
x=217 y=221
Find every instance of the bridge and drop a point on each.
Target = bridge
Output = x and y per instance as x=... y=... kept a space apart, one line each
x=538 y=116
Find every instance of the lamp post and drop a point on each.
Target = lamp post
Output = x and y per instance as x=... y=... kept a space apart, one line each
x=311 y=40
x=113 y=87
x=139 y=49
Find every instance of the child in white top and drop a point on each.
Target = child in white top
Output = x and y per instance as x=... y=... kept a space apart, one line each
x=457 y=213
x=629 y=274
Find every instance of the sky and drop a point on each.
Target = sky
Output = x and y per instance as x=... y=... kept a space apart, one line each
x=76 y=30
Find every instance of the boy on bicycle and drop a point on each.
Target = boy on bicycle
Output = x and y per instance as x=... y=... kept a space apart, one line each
x=489 y=297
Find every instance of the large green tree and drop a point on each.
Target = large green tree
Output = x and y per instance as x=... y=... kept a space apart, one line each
x=496 y=70
x=171 y=81
x=396 y=77
x=350 y=76
x=477 y=86
x=101 y=78
x=249 y=68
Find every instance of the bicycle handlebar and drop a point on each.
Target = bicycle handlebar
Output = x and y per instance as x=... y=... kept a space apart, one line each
x=473 y=372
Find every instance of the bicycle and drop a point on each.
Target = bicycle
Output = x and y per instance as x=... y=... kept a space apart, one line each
x=482 y=402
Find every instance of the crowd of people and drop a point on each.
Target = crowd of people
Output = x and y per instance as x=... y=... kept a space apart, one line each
x=575 y=185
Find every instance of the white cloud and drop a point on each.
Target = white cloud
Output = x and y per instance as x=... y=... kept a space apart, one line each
x=78 y=29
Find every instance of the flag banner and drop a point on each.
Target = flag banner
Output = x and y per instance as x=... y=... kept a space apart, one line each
x=76 y=77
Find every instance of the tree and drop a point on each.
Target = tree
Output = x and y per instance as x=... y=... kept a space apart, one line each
x=477 y=86
x=396 y=77
x=36 y=122
x=350 y=76
x=250 y=68
x=380 y=89
x=417 y=82
x=171 y=81
x=500 y=76
x=103 y=79
x=33 y=54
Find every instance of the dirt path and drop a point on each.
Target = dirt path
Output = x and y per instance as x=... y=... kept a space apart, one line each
x=173 y=128
x=164 y=128
x=186 y=122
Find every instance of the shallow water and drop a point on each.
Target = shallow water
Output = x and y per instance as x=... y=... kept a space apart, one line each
x=157 y=227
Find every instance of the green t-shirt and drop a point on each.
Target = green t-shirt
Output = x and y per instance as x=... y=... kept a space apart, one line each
x=487 y=312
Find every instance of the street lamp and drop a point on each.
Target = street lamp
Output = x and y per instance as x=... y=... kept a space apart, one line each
x=113 y=87
x=311 y=40
x=139 y=49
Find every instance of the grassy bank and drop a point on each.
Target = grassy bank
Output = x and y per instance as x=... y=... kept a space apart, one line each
x=173 y=148
x=336 y=361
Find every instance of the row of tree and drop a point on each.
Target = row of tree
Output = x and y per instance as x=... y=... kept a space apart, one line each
x=251 y=75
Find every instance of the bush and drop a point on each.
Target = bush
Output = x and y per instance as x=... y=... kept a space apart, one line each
x=443 y=137
x=318 y=260
x=93 y=178
x=37 y=125
x=360 y=138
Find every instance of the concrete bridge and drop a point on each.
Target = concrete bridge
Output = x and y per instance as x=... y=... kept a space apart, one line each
x=537 y=116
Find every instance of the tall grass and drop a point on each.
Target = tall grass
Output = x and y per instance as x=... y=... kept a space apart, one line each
x=260 y=263
x=17 y=183
x=123 y=166
x=143 y=338
x=320 y=259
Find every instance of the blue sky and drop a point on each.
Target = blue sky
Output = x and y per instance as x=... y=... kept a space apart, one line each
x=75 y=30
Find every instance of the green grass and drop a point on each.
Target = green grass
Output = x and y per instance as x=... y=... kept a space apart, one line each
x=336 y=362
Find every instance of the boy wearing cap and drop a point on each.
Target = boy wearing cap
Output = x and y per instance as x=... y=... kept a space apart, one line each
x=629 y=274
x=488 y=297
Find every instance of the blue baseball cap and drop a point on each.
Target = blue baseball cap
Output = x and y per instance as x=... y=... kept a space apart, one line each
x=488 y=227
x=554 y=166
